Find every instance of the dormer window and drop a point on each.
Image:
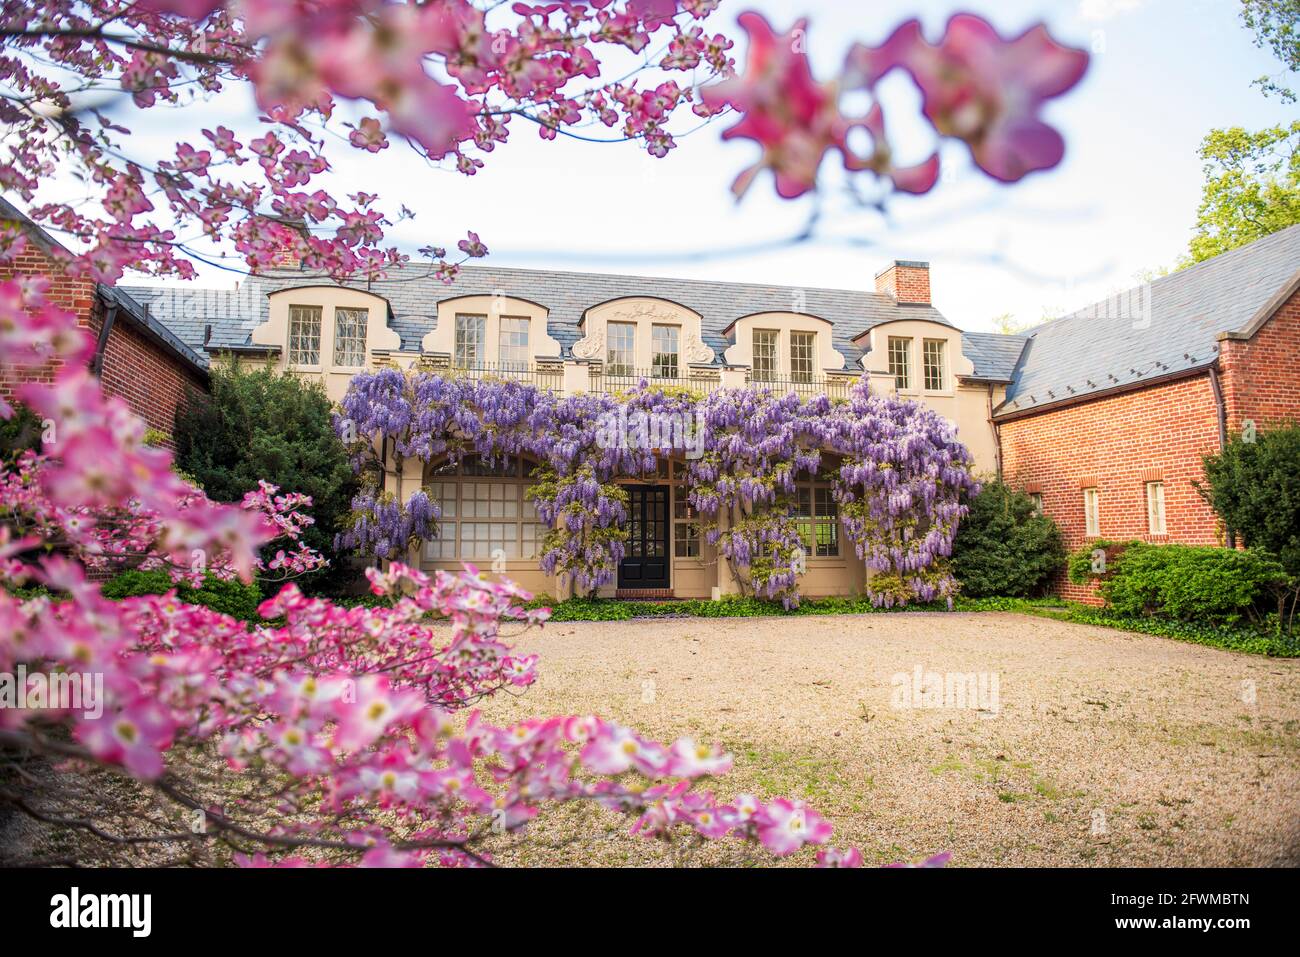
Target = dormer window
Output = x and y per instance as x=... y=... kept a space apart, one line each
x=470 y=334
x=621 y=356
x=664 y=350
x=900 y=361
x=765 y=355
x=934 y=350
x=803 y=349
x=512 y=343
x=350 y=337
x=304 y=335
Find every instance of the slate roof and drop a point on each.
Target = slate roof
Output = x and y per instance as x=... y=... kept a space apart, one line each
x=413 y=295
x=1148 y=332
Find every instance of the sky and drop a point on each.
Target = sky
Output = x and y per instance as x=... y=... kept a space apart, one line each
x=1164 y=72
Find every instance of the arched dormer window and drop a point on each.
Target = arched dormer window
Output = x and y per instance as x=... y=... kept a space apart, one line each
x=783 y=346
x=643 y=336
x=493 y=332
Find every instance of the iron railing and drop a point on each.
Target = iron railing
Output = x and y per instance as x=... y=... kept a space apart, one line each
x=543 y=376
x=808 y=386
x=628 y=380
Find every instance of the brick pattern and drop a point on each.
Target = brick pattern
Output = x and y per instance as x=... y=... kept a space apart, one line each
x=906 y=283
x=1117 y=444
x=1261 y=375
x=151 y=380
x=645 y=594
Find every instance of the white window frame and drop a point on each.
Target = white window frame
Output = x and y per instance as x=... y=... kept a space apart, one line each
x=934 y=353
x=1156 y=524
x=769 y=369
x=512 y=343
x=803 y=355
x=1092 y=512
x=665 y=341
x=461 y=357
x=815 y=506
x=304 y=336
x=350 y=342
x=620 y=356
x=482 y=512
x=899 y=352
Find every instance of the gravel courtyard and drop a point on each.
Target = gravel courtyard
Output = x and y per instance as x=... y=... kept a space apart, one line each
x=1099 y=748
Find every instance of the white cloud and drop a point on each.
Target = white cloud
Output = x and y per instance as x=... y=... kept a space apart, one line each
x=1107 y=9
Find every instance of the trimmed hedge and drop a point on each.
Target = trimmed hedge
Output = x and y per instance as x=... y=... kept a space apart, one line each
x=232 y=598
x=1004 y=548
x=1199 y=583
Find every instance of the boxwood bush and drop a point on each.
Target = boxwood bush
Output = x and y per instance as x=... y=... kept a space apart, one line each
x=1187 y=582
x=1004 y=547
x=232 y=598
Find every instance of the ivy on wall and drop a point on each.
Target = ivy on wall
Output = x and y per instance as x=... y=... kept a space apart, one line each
x=895 y=466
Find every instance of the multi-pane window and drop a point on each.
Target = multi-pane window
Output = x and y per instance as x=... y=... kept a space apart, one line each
x=934 y=372
x=801 y=355
x=485 y=515
x=1092 y=511
x=470 y=333
x=686 y=528
x=900 y=361
x=350 y=337
x=817 y=515
x=621 y=357
x=1156 y=508
x=764 y=364
x=1037 y=499
x=664 y=351
x=304 y=335
x=512 y=343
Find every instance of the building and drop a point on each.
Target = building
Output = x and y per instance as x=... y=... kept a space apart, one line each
x=136 y=357
x=1104 y=416
x=576 y=332
x=1112 y=409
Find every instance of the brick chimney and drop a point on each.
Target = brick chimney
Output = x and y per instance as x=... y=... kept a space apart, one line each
x=907 y=281
x=287 y=233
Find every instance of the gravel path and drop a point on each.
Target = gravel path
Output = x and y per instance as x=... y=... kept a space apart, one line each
x=1098 y=748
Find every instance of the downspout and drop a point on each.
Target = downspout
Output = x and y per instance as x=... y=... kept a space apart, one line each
x=1221 y=408
x=997 y=437
x=97 y=363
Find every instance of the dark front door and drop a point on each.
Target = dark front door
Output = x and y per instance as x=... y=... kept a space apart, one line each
x=645 y=563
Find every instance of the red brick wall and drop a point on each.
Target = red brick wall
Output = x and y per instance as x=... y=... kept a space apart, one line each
x=906 y=283
x=150 y=379
x=1120 y=443
x=1261 y=375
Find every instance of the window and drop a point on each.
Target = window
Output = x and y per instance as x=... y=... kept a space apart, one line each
x=1092 y=512
x=686 y=529
x=512 y=343
x=1156 y=508
x=486 y=514
x=900 y=361
x=764 y=364
x=350 y=336
x=663 y=351
x=1037 y=499
x=622 y=348
x=934 y=350
x=801 y=355
x=817 y=515
x=304 y=335
x=470 y=332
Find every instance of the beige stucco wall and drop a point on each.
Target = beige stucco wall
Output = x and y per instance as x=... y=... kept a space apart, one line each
x=965 y=404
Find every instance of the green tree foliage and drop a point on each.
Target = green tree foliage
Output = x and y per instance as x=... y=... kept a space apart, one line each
x=1276 y=25
x=1255 y=488
x=1252 y=188
x=261 y=424
x=20 y=432
x=1004 y=547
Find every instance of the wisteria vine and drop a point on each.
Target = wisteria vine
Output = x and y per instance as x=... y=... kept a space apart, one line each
x=896 y=467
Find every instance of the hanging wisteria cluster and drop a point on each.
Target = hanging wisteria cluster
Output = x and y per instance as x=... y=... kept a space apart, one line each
x=896 y=468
